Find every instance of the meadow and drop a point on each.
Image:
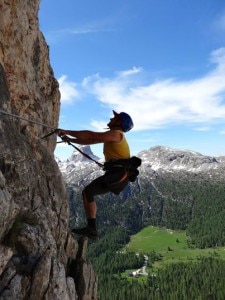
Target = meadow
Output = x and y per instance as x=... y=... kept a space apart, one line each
x=171 y=245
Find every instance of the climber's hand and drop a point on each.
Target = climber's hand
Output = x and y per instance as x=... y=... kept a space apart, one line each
x=61 y=132
x=65 y=138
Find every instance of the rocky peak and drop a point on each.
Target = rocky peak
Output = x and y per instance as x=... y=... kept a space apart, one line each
x=79 y=157
x=156 y=160
x=79 y=168
x=167 y=158
x=39 y=258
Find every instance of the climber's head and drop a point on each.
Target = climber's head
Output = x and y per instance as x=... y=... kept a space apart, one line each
x=121 y=121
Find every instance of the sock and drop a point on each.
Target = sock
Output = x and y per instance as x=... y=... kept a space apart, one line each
x=92 y=223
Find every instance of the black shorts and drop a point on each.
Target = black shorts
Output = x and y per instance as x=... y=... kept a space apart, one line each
x=111 y=181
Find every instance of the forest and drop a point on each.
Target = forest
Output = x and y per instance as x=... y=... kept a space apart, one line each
x=196 y=208
x=187 y=281
x=201 y=279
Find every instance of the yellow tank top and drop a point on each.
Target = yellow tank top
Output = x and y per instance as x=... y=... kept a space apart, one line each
x=113 y=151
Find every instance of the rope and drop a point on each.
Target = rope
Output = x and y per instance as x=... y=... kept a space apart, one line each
x=27 y=120
x=54 y=131
x=86 y=155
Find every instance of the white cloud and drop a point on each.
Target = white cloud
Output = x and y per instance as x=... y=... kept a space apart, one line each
x=220 y=22
x=99 y=125
x=126 y=73
x=157 y=104
x=203 y=128
x=79 y=30
x=68 y=90
x=107 y=24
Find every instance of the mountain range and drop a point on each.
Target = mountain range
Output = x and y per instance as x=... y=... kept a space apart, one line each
x=175 y=189
x=156 y=160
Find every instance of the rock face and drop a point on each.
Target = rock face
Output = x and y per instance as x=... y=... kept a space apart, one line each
x=39 y=258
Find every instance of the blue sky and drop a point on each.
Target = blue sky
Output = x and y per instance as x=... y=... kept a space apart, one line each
x=162 y=61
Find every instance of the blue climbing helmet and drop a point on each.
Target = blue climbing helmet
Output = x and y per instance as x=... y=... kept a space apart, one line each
x=127 y=123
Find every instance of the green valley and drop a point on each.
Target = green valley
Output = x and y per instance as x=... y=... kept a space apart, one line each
x=171 y=245
x=175 y=269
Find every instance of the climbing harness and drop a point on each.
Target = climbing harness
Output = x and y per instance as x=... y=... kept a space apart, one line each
x=130 y=165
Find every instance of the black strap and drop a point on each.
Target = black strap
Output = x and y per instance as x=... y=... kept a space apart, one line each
x=86 y=155
x=130 y=165
x=134 y=162
x=83 y=153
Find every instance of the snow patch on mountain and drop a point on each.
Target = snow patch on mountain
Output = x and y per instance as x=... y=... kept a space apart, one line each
x=79 y=170
x=78 y=167
x=169 y=159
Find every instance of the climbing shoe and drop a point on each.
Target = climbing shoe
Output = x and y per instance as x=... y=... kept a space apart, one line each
x=86 y=231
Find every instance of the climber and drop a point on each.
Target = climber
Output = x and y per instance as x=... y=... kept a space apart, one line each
x=114 y=179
